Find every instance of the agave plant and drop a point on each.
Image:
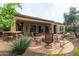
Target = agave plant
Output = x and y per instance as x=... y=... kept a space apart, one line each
x=20 y=46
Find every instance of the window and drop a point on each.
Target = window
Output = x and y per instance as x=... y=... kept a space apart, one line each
x=19 y=26
x=33 y=28
x=61 y=28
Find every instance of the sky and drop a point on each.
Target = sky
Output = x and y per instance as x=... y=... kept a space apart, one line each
x=48 y=11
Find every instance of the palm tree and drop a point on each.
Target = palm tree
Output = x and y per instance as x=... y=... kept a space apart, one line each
x=71 y=19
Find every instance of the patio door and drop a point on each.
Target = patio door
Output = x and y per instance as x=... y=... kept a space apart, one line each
x=54 y=29
x=40 y=29
x=33 y=28
x=19 y=26
x=46 y=29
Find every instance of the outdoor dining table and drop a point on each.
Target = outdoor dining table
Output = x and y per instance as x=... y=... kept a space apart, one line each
x=13 y=34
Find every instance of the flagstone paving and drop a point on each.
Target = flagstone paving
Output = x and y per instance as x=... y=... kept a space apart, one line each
x=55 y=49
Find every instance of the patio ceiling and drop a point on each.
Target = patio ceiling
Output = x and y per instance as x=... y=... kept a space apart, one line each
x=32 y=20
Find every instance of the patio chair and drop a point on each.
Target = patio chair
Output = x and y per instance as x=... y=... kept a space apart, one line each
x=7 y=37
x=1 y=34
x=10 y=37
x=55 y=37
x=19 y=36
x=48 y=39
x=37 y=40
x=34 y=38
x=61 y=40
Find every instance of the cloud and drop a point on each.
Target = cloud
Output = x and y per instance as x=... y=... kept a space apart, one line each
x=49 y=11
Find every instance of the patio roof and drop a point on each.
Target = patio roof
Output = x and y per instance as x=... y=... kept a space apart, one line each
x=36 y=18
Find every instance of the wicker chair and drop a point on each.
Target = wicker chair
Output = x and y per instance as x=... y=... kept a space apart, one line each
x=62 y=40
x=1 y=34
x=48 y=39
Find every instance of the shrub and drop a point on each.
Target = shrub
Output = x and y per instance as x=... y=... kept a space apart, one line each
x=20 y=46
x=55 y=54
x=77 y=28
x=76 y=52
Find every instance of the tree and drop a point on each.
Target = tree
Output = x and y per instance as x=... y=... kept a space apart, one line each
x=7 y=13
x=71 y=19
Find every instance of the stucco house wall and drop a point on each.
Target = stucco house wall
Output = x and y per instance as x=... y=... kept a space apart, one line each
x=27 y=21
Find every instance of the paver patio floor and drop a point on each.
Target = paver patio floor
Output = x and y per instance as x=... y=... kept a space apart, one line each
x=55 y=49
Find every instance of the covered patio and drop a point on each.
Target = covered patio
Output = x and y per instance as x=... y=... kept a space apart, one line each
x=29 y=27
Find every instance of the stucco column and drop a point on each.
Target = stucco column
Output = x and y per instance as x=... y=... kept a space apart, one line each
x=52 y=28
x=29 y=28
x=13 y=27
x=24 y=28
x=37 y=29
x=58 y=28
x=43 y=27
